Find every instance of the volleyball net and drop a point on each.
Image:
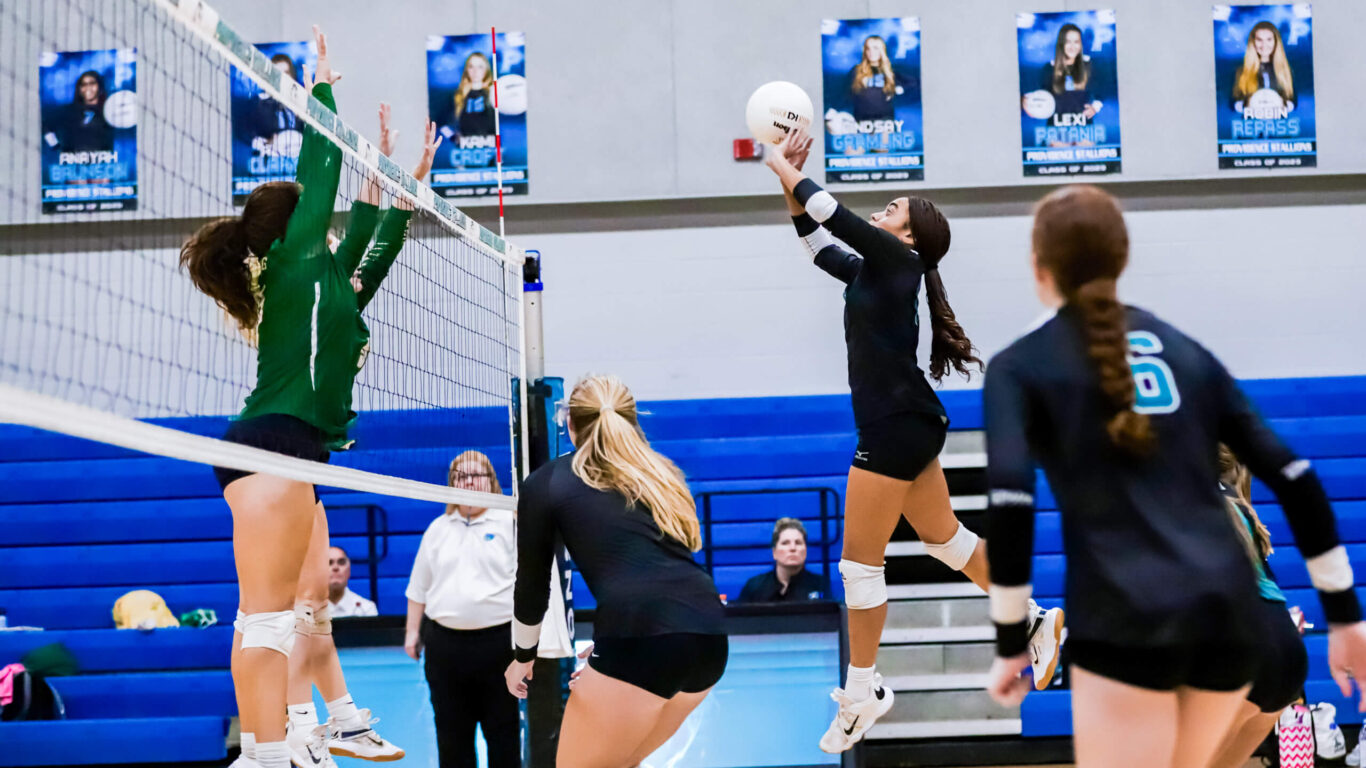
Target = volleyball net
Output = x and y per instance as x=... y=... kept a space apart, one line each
x=128 y=124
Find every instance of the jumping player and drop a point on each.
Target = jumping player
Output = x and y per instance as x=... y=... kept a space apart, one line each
x=1125 y=414
x=902 y=426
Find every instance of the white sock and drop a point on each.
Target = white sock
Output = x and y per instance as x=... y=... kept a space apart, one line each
x=249 y=746
x=303 y=717
x=274 y=754
x=858 y=683
x=344 y=714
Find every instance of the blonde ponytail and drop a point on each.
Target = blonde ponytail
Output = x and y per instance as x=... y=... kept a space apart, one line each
x=613 y=455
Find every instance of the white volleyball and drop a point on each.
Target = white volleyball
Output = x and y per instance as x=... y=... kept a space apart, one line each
x=776 y=108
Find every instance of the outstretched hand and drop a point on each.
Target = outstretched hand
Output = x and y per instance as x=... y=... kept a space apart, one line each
x=324 y=73
x=796 y=147
x=429 y=146
x=387 y=136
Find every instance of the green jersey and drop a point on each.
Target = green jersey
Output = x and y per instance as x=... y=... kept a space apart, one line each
x=311 y=341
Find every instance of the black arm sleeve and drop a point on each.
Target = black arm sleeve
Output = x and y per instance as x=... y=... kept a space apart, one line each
x=1010 y=504
x=1302 y=497
x=872 y=244
x=535 y=555
x=832 y=259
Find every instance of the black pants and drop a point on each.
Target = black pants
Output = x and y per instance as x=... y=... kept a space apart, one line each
x=465 y=674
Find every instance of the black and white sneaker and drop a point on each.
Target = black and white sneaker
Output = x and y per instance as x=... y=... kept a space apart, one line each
x=308 y=747
x=1046 y=635
x=362 y=742
x=854 y=718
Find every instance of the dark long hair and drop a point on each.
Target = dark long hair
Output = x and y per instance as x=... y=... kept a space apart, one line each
x=216 y=255
x=1080 y=69
x=1081 y=239
x=950 y=347
x=99 y=80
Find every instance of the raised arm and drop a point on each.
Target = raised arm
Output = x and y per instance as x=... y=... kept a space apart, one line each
x=869 y=241
x=393 y=230
x=817 y=242
x=319 y=170
x=360 y=225
x=1010 y=525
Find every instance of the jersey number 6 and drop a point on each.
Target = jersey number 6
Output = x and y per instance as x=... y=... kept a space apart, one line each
x=1153 y=379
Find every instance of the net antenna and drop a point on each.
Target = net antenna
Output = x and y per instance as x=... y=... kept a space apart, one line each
x=103 y=338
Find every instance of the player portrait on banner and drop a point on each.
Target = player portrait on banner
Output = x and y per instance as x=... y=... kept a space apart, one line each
x=1264 y=86
x=460 y=100
x=89 y=144
x=1069 y=93
x=265 y=135
x=872 y=100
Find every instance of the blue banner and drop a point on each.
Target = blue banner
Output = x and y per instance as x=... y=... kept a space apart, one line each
x=460 y=100
x=89 y=113
x=1264 y=86
x=1069 y=93
x=266 y=135
x=872 y=105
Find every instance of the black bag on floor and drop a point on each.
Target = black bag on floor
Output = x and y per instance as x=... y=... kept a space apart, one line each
x=34 y=699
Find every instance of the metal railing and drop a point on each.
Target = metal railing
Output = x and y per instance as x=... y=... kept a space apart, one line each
x=829 y=500
x=376 y=541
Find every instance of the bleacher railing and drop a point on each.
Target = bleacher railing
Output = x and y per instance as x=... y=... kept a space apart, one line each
x=828 y=500
x=376 y=542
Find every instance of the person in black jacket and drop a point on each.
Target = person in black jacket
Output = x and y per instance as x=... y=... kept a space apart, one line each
x=1125 y=413
x=788 y=581
x=83 y=127
x=630 y=524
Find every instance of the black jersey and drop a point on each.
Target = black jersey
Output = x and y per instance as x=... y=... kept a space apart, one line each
x=646 y=583
x=1151 y=557
x=881 y=306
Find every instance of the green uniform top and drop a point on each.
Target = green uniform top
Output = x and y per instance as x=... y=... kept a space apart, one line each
x=311 y=341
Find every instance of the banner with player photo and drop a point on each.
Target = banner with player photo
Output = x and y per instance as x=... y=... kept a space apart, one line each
x=872 y=103
x=89 y=113
x=266 y=136
x=460 y=100
x=1264 y=86
x=1069 y=93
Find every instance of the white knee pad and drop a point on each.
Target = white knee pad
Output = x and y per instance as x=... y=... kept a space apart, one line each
x=955 y=552
x=312 y=621
x=865 y=586
x=237 y=623
x=274 y=630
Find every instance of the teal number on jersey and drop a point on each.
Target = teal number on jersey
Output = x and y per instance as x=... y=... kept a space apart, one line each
x=1153 y=378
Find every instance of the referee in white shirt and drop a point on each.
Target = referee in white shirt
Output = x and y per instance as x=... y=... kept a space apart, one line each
x=460 y=609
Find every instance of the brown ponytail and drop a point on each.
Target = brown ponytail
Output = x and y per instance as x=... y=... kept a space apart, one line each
x=216 y=255
x=1080 y=238
x=950 y=346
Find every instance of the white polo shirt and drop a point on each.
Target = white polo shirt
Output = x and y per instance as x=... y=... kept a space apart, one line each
x=465 y=570
x=352 y=604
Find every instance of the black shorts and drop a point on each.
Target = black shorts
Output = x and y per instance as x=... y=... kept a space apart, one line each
x=664 y=665
x=1285 y=664
x=278 y=433
x=1166 y=668
x=901 y=445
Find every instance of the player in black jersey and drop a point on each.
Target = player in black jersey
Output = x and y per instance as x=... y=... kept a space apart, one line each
x=901 y=424
x=630 y=524
x=1285 y=664
x=1125 y=414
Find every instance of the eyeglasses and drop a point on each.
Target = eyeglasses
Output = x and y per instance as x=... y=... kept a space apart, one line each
x=465 y=477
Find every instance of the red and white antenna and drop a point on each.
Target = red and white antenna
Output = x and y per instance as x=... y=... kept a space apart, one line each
x=497 y=130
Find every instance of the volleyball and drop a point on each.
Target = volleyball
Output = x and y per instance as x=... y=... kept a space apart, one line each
x=776 y=108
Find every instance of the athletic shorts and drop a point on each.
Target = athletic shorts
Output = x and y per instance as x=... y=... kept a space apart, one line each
x=1166 y=668
x=1285 y=664
x=901 y=445
x=278 y=433
x=664 y=665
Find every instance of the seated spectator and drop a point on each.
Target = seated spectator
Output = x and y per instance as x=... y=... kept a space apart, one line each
x=345 y=602
x=789 y=580
x=460 y=619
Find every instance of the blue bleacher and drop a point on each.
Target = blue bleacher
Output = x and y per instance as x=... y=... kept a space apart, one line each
x=83 y=523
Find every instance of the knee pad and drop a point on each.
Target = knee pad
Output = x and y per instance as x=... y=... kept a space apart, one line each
x=274 y=630
x=237 y=623
x=955 y=552
x=865 y=586
x=312 y=621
